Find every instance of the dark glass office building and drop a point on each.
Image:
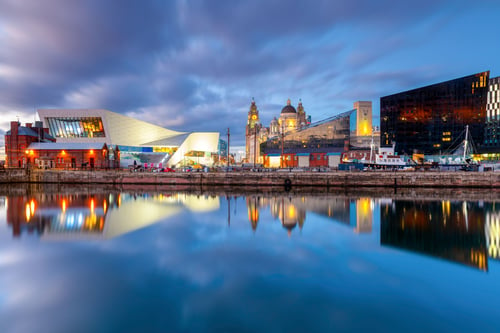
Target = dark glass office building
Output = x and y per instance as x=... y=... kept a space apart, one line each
x=432 y=119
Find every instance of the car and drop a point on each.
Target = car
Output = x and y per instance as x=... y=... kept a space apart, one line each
x=168 y=170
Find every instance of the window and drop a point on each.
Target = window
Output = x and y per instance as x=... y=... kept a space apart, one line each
x=73 y=127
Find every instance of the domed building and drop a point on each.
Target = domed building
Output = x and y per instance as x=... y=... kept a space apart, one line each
x=290 y=120
x=291 y=140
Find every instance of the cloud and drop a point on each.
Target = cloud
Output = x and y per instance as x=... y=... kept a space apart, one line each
x=195 y=65
x=55 y=47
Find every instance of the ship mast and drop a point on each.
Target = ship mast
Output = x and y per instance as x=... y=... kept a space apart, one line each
x=465 y=141
x=372 y=148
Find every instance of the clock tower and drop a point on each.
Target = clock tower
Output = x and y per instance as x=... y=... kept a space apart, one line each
x=252 y=147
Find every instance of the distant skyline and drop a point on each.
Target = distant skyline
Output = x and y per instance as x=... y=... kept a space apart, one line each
x=195 y=65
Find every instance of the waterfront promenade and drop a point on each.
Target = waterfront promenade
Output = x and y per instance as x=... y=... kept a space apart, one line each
x=347 y=179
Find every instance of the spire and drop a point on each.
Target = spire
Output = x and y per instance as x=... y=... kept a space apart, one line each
x=288 y=102
x=300 y=108
x=253 y=106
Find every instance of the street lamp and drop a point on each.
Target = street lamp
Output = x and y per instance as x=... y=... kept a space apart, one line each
x=254 y=144
x=228 y=147
x=282 y=145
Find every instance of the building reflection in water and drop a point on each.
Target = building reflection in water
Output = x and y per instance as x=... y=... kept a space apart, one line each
x=292 y=211
x=451 y=230
x=463 y=232
x=96 y=216
x=492 y=230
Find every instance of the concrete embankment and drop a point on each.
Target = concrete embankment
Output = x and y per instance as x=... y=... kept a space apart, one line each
x=346 y=179
x=228 y=192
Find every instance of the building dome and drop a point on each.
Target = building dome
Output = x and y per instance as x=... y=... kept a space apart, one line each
x=288 y=108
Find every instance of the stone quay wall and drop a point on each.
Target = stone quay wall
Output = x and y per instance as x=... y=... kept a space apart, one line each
x=347 y=179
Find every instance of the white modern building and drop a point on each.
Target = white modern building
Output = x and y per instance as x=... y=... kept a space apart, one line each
x=137 y=140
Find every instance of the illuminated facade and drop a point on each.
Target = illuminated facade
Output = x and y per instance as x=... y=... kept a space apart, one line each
x=432 y=119
x=362 y=132
x=316 y=145
x=492 y=126
x=93 y=155
x=293 y=141
x=19 y=138
x=137 y=140
x=363 y=118
x=289 y=121
x=253 y=135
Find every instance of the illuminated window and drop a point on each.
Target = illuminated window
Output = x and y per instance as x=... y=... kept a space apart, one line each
x=74 y=127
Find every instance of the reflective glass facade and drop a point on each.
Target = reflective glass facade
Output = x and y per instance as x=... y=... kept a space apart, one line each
x=432 y=119
x=76 y=127
x=492 y=128
x=327 y=135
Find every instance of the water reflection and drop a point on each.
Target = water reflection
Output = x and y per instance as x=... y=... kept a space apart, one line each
x=292 y=211
x=95 y=216
x=450 y=230
x=465 y=232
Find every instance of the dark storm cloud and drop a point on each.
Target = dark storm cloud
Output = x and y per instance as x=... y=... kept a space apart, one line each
x=195 y=64
x=56 y=45
x=261 y=20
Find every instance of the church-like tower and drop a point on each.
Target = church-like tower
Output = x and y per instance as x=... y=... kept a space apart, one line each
x=252 y=147
x=301 y=116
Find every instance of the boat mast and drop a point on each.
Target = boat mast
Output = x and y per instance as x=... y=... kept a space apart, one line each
x=372 y=147
x=465 y=141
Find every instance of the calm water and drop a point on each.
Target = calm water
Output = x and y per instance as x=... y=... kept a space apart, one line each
x=176 y=262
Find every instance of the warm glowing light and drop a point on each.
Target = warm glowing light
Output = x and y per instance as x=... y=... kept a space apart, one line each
x=27 y=152
x=63 y=152
x=32 y=207
x=64 y=205
x=364 y=206
x=32 y=152
x=28 y=213
x=91 y=151
x=253 y=214
x=92 y=205
x=291 y=211
x=104 y=205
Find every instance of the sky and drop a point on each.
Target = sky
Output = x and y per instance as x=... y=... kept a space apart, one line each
x=196 y=65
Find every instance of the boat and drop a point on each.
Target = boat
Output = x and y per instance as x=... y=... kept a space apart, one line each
x=460 y=158
x=384 y=158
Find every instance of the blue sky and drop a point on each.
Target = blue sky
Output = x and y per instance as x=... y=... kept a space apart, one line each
x=195 y=65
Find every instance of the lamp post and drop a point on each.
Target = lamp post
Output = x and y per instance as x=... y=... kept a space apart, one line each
x=228 y=147
x=282 y=145
x=254 y=145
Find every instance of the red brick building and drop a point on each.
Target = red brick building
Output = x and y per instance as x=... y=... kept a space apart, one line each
x=17 y=140
x=95 y=155
x=33 y=146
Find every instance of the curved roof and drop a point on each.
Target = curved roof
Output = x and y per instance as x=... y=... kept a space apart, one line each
x=288 y=108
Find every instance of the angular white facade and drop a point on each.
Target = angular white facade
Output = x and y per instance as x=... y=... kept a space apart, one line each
x=136 y=139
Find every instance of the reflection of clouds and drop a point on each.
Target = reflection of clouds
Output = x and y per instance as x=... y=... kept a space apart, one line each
x=9 y=257
x=28 y=287
x=193 y=273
